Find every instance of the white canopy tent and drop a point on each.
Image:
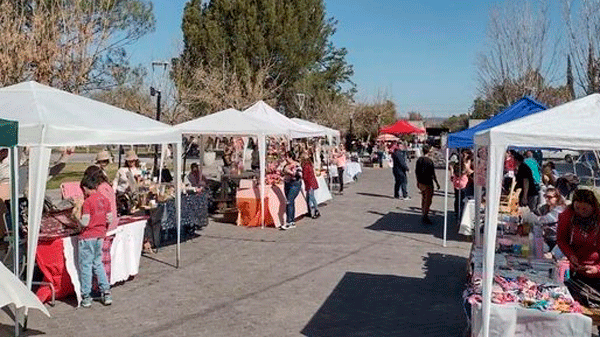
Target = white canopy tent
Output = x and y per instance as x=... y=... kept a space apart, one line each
x=573 y=125
x=329 y=132
x=232 y=122
x=50 y=117
x=262 y=111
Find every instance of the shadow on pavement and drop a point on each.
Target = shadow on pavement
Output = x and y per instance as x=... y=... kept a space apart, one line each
x=387 y=305
x=375 y=195
x=411 y=223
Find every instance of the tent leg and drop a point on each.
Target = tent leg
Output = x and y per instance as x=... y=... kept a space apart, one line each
x=446 y=198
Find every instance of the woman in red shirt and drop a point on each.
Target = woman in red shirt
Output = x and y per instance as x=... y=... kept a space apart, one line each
x=578 y=236
x=310 y=184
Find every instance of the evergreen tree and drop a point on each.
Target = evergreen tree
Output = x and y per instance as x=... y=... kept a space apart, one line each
x=242 y=37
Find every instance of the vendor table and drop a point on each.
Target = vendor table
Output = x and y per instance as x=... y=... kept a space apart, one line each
x=352 y=170
x=248 y=203
x=57 y=257
x=194 y=214
x=512 y=319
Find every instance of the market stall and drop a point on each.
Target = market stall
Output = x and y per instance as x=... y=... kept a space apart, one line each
x=331 y=133
x=573 y=125
x=57 y=254
x=464 y=139
x=248 y=203
x=50 y=118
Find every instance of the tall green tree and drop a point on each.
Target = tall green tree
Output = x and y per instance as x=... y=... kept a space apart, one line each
x=290 y=38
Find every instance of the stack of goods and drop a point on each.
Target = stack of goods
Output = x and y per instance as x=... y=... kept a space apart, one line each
x=526 y=293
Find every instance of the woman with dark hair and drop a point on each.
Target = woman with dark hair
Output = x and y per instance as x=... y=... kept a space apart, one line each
x=310 y=184
x=292 y=177
x=578 y=236
x=106 y=190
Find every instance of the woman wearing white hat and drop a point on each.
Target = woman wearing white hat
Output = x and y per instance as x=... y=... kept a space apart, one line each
x=129 y=176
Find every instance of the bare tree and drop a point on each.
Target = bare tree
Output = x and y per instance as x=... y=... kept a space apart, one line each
x=72 y=45
x=521 y=54
x=582 y=20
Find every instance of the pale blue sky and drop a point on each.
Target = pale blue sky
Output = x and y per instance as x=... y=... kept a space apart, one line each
x=420 y=53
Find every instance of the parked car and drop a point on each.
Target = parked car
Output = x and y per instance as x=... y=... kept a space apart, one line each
x=567 y=155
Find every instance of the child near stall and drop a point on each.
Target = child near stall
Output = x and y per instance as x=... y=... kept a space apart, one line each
x=94 y=217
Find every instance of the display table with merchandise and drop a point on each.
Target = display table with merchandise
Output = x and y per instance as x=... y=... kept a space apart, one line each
x=56 y=255
x=528 y=296
x=248 y=202
x=162 y=226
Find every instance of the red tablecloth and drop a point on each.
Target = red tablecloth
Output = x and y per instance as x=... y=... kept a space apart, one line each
x=51 y=261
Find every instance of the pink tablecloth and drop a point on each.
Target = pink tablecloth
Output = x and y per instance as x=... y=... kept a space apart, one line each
x=275 y=208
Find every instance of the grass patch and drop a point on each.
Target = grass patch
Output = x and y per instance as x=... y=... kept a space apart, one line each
x=74 y=172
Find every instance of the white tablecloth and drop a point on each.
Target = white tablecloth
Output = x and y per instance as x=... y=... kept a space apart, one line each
x=352 y=169
x=467 y=222
x=322 y=194
x=513 y=320
x=125 y=254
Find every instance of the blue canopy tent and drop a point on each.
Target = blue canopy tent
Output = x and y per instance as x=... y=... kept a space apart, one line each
x=464 y=139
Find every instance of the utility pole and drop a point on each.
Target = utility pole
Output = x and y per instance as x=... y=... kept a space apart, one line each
x=157 y=92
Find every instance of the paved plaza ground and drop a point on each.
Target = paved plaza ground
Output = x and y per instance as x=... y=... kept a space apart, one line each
x=367 y=267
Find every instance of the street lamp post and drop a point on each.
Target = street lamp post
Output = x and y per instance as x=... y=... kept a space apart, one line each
x=157 y=93
x=154 y=92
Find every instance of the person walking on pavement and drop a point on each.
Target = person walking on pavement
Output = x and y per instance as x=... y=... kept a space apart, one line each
x=425 y=172
x=400 y=168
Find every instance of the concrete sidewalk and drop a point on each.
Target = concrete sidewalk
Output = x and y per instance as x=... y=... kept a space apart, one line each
x=367 y=267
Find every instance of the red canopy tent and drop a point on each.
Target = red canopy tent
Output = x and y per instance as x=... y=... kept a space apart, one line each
x=401 y=127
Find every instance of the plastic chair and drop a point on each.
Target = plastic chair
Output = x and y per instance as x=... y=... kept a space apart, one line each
x=71 y=190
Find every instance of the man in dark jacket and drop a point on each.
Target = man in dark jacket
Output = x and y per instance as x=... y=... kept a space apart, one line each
x=400 y=169
x=425 y=172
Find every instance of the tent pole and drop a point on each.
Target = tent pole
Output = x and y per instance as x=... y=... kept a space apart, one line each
x=14 y=211
x=446 y=197
x=177 y=163
x=262 y=158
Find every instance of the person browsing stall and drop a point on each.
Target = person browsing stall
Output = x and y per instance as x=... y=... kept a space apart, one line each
x=525 y=181
x=310 y=184
x=547 y=214
x=578 y=237
x=94 y=219
x=292 y=178
x=106 y=190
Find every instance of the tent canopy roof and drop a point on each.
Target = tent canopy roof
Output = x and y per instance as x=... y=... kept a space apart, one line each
x=573 y=125
x=523 y=107
x=229 y=122
x=329 y=131
x=52 y=117
x=8 y=133
x=401 y=127
x=262 y=111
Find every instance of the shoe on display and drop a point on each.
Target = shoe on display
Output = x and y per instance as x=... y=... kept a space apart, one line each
x=86 y=302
